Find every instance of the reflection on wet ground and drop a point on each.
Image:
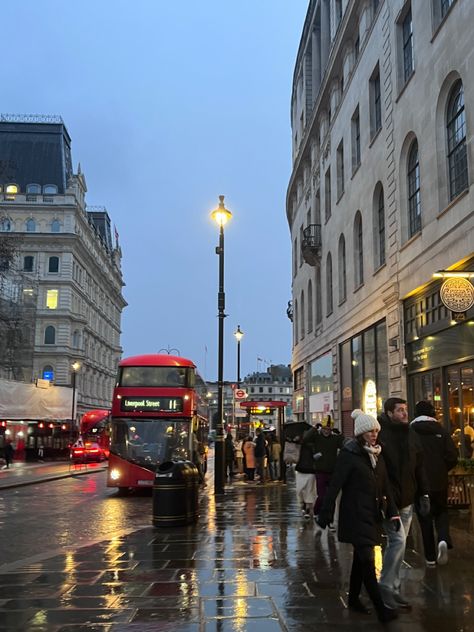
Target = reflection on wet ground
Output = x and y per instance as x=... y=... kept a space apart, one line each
x=251 y=563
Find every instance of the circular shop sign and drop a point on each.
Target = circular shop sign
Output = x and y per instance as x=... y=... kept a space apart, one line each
x=457 y=294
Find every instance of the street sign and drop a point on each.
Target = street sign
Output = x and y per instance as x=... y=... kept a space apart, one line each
x=240 y=393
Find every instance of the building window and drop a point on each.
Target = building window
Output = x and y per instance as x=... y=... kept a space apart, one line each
x=375 y=103
x=30 y=225
x=329 y=294
x=457 y=154
x=5 y=225
x=327 y=194
x=445 y=6
x=319 y=304
x=298 y=379
x=302 y=325
x=76 y=339
x=342 y=270
x=340 y=169
x=338 y=12
x=55 y=226
x=407 y=43
x=53 y=264
x=50 y=189
x=33 y=188
x=10 y=191
x=379 y=229
x=358 y=251
x=296 y=323
x=28 y=263
x=52 y=299
x=310 y=306
x=50 y=335
x=295 y=257
x=301 y=244
x=355 y=135
x=414 y=200
x=48 y=372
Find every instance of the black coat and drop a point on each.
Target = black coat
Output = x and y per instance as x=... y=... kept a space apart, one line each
x=404 y=460
x=440 y=452
x=363 y=491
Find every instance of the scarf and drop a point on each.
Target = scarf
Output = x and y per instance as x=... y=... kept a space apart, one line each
x=373 y=451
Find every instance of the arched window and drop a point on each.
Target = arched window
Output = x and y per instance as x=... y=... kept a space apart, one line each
x=296 y=323
x=329 y=295
x=310 y=306
x=48 y=372
x=50 y=189
x=33 y=188
x=5 y=225
x=358 y=251
x=302 y=327
x=30 y=225
x=342 y=270
x=456 y=134
x=11 y=190
x=55 y=226
x=319 y=304
x=28 y=263
x=379 y=227
x=50 y=335
x=414 y=200
x=53 y=264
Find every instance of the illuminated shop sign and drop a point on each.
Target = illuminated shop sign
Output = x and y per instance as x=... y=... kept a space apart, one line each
x=370 y=398
x=457 y=294
x=152 y=404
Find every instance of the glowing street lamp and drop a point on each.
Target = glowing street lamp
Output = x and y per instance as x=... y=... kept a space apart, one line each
x=221 y=216
x=239 y=334
x=75 y=368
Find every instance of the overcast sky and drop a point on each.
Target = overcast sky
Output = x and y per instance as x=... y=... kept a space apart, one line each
x=170 y=104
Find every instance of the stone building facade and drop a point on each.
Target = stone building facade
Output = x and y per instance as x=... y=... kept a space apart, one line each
x=379 y=199
x=69 y=263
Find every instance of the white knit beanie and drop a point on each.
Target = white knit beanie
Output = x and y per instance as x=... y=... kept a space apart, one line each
x=363 y=422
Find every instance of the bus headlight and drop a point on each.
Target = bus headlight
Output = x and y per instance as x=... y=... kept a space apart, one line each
x=114 y=474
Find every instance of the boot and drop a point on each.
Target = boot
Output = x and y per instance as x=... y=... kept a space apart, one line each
x=385 y=614
x=356 y=605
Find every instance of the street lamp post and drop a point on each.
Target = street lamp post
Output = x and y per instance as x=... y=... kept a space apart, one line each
x=75 y=368
x=238 y=336
x=220 y=215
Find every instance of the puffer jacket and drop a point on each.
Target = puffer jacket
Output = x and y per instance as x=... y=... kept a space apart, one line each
x=404 y=460
x=306 y=462
x=365 y=491
x=440 y=452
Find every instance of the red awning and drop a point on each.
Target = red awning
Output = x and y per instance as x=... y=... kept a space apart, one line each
x=268 y=404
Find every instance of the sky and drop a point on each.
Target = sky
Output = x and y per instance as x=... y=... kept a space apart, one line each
x=169 y=105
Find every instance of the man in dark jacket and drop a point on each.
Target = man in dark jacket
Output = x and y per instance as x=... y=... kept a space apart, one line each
x=440 y=456
x=403 y=456
x=325 y=445
x=260 y=453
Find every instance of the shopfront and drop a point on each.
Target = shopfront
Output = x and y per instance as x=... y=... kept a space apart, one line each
x=321 y=394
x=440 y=363
x=363 y=373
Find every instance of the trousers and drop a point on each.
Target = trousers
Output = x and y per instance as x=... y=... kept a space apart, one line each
x=395 y=549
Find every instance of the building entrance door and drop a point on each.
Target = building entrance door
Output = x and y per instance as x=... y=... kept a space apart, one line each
x=460 y=384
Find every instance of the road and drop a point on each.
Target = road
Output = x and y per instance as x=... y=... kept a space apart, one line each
x=41 y=519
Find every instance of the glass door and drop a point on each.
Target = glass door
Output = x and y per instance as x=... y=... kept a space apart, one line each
x=460 y=384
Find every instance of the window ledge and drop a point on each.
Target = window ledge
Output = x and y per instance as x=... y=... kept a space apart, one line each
x=441 y=22
x=355 y=170
x=454 y=201
x=375 y=136
x=403 y=88
x=339 y=198
x=381 y=267
x=410 y=241
x=341 y=302
x=361 y=285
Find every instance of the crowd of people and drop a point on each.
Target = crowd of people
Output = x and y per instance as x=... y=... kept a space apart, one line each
x=256 y=458
x=374 y=483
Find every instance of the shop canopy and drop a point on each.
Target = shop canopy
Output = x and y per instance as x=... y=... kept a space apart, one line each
x=266 y=404
x=21 y=401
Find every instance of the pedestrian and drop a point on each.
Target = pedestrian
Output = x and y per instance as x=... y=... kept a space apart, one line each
x=275 y=460
x=229 y=452
x=239 y=455
x=403 y=457
x=8 y=452
x=260 y=454
x=40 y=452
x=440 y=456
x=248 y=448
x=326 y=446
x=197 y=457
x=366 y=497
x=304 y=475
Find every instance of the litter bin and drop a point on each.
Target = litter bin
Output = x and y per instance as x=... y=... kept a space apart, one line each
x=175 y=494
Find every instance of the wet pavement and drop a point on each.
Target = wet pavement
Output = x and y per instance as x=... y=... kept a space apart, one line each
x=20 y=473
x=251 y=563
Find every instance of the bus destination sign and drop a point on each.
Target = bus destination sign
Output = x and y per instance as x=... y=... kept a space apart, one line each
x=152 y=404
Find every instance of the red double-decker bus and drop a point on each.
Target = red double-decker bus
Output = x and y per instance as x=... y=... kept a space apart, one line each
x=95 y=428
x=155 y=411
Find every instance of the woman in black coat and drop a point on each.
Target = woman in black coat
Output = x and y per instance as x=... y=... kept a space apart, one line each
x=366 y=497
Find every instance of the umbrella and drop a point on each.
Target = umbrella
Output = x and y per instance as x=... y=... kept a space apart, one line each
x=295 y=429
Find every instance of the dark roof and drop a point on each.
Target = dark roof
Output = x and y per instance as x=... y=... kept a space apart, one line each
x=35 y=153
